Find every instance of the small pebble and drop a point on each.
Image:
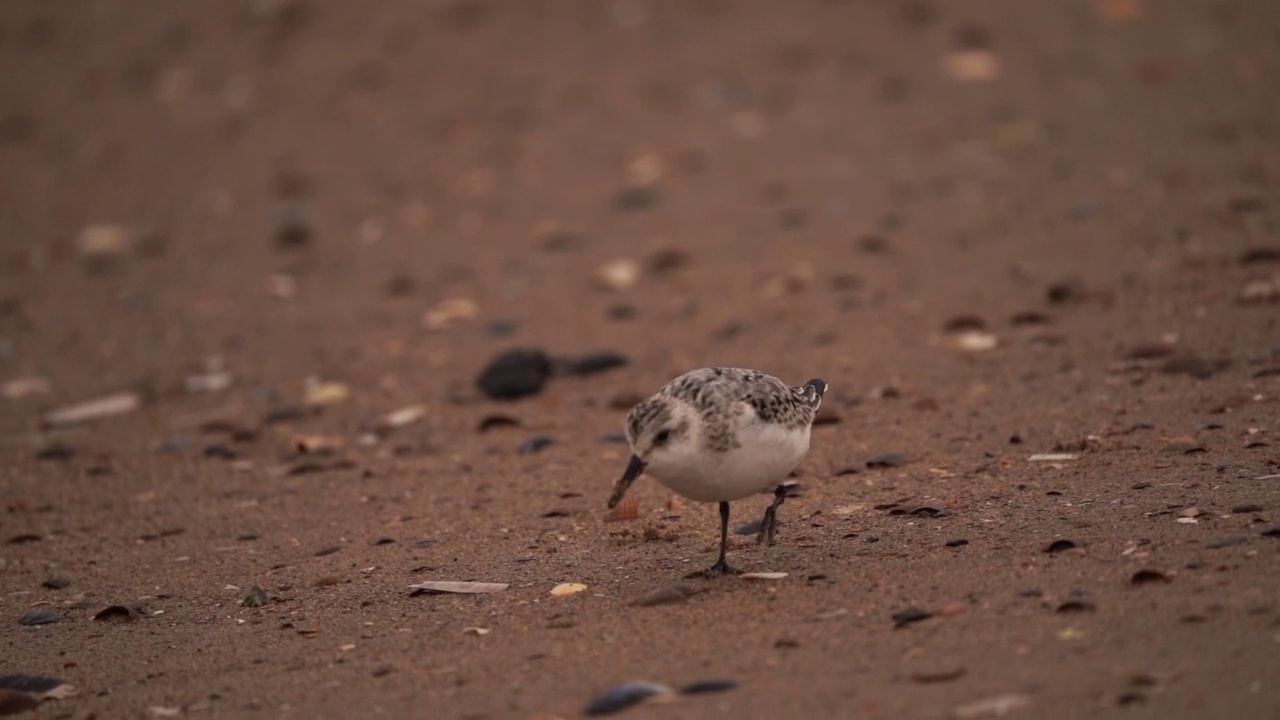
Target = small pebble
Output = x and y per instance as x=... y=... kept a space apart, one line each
x=40 y=616
x=515 y=374
x=623 y=697
x=535 y=444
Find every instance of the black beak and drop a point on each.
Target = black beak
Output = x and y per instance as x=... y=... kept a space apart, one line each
x=634 y=468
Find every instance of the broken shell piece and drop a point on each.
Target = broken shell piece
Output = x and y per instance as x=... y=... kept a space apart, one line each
x=281 y=286
x=974 y=65
x=976 y=341
x=210 y=382
x=19 y=388
x=431 y=587
x=763 y=575
x=403 y=416
x=325 y=393
x=318 y=444
x=625 y=696
x=628 y=509
x=1053 y=457
x=103 y=240
x=566 y=589
x=618 y=275
x=449 y=313
x=102 y=407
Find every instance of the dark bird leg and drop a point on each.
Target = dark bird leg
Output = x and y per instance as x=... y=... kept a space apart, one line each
x=769 y=526
x=721 y=567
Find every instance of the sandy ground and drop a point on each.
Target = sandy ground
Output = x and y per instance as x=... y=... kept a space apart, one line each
x=998 y=229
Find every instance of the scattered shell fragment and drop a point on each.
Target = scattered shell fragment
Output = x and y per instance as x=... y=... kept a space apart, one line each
x=117 y=613
x=117 y=404
x=974 y=65
x=210 y=382
x=449 y=313
x=402 y=417
x=464 y=588
x=104 y=239
x=566 y=589
x=37 y=686
x=997 y=706
x=1053 y=457
x=628 y=509
x=320 y=392
x=281 y=286
x=976 y=341
x=1260 y=291
x=763 y=575
x=40 y=616
x=625 y=696
x=476 y=630
x=668 y=595
x=19 y=388
x=318 y=444
x=645 y=169
x=618 y=275
x=255 y=598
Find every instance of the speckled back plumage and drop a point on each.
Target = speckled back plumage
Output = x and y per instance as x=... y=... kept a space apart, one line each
x=719 y=395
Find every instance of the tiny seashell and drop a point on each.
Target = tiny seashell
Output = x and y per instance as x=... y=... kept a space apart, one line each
x=564 y=589
x=628 y=509
x=449 y=586
x=675 y=504
x=623 y=697
x=763 y=575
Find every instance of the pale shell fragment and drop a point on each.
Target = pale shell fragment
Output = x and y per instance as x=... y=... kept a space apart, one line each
x=464 y=588
x=566 y=589
x=102 y=407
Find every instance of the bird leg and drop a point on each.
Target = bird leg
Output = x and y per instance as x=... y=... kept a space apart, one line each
x=769 y=526
x=721 y=567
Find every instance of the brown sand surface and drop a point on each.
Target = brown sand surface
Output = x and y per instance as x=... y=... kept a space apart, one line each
x=998 y=229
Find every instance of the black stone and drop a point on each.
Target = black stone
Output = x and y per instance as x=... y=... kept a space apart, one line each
x=515 y=374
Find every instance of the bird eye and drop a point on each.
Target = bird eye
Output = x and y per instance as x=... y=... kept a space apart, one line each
x=662 y=437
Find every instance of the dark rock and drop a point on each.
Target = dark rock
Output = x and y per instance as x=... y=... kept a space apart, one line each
x=623 y=697
x=117 y=613
x=703 y=687
x=1058 y=546
x=593 y=363
x=535 y=444
x=909 y=616
x=56 y=450
x=56 y=583
x=957 y=542
x=493 y=422
x=636 y=199
x=1145 y=577
x=887 y=460
x=515 y=374
x=40 y=616
x=1257 y=255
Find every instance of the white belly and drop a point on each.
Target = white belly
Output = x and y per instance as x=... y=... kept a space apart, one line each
x=766 y=455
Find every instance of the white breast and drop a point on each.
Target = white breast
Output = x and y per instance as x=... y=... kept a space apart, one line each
x=765 y=455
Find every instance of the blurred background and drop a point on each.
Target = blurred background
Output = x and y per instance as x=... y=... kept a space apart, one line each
x=292 y=186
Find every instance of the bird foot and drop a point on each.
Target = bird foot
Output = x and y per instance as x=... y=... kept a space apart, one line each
x=715 y=571
x=768 y=529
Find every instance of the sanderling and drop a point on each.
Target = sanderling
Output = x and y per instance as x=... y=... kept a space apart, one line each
x=719 y=435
